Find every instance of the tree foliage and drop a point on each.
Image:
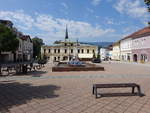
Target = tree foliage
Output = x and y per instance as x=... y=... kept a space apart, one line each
x=98 y=56
x=8 y=39
x=94 y=56
x=37 y=43
x=147 y=2
x=57 y=42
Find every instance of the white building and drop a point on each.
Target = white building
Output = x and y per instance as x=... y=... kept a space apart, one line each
x=104 y=53
x=126 y=49
x=26 y=48
x=141 y=45
x=116 y=51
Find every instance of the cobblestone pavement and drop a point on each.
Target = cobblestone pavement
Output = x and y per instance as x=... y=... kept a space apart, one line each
x=71 y=92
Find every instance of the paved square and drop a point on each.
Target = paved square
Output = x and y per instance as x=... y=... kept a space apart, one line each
x=71 y=92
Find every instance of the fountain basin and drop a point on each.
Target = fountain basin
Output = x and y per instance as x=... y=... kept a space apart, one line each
x=63 y=67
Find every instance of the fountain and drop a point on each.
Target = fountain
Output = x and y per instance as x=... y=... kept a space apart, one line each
x=76 y=65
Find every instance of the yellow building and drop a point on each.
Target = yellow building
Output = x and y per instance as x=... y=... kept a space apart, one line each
x=116 y=51
x=67 y=50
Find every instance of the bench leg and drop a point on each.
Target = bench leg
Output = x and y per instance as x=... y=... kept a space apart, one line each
x=96 y=92
x=133 y=89
x=139 y=91
x=93 y=90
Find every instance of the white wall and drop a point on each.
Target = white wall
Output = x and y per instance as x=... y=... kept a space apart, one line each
x=126 y=45
x=141 y=43
x=126 y=49
x=116 y=52
x=104 y=53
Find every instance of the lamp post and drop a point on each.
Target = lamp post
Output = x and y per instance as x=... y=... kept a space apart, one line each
x=77 y=49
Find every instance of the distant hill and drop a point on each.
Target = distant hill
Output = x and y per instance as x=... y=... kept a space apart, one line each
x=101 y=44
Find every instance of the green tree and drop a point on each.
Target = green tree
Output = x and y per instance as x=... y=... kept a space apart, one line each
x=147 y=2
x=94 y=56
x=8 y=41
x=98 y=56
x=37 y=43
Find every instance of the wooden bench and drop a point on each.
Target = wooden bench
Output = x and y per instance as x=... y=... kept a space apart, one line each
x=117 y=85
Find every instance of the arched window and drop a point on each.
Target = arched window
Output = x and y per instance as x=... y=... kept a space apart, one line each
x=144 y=58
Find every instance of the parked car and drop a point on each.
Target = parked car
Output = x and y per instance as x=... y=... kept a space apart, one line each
x=96 y=60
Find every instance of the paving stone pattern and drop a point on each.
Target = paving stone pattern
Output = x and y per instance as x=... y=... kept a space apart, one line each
x=71 y=92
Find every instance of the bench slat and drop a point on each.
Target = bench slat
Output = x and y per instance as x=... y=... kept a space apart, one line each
x=115 y=85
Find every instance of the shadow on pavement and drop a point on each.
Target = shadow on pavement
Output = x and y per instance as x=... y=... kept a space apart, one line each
x=37 y=73
x=31 y=73
x=14 y=94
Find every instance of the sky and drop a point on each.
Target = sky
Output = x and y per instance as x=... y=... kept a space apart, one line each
x=87 y=20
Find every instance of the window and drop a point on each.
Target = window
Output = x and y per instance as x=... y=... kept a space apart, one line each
x=82 y=50
x=49 y=50
x=54 y=58
x=71 y=44
x=65 y=58
x=71 y=50
x=54 y=50
x=58 y=58
x=65 y=44
x=44 y=50
x=87 y=50
x=58 y=50
x=65 y=50
x=93 y=51
x=143 y=57
x=78 y=50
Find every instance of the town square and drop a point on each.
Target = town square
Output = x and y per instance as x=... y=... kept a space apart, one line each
x=75 y=56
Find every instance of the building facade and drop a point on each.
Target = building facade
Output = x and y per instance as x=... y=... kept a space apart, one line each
x=26 y=48
x=135 y=47
x=104 y=53
x=67 y=50
x=126 y=49
x=116 y=51
x=141 y=46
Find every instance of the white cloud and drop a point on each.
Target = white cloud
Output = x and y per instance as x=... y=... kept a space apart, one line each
x=20 y=17
x=90 y=10
x=65 y=8
x=133 y=8
x=96 y=2
x=51 y=28
x=112 y=21
x=109 y=0
x=77 y=29
x=64 y=5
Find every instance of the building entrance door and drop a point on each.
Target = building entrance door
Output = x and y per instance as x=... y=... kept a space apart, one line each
x=65 y=58
x=135 y=57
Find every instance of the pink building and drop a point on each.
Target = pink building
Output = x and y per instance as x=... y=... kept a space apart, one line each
x=141 y=45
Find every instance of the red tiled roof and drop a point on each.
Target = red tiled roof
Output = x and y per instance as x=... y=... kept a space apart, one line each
x=140 y=33
x=25 y=37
